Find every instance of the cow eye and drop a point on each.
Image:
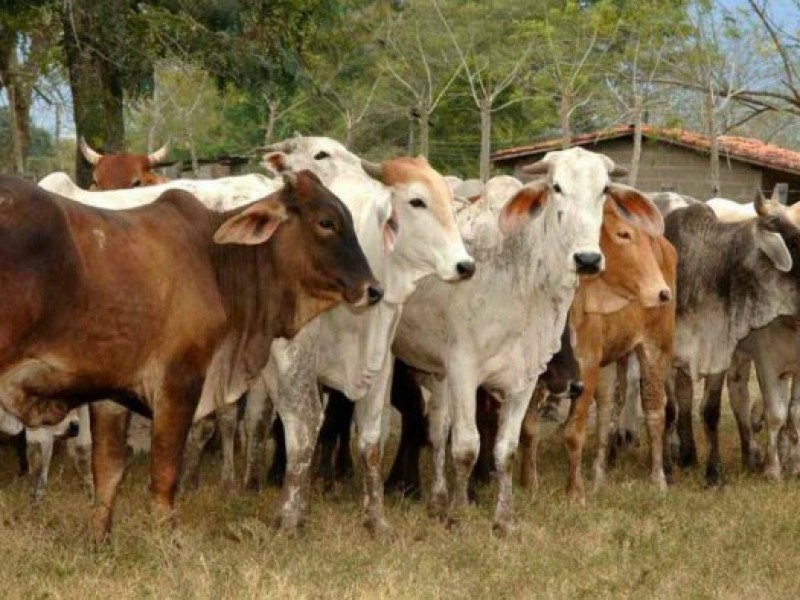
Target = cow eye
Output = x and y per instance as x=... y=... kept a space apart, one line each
x=625 y=235
x=605 y=190
x=556 y=188
x=327 y=224
x=321 y=154
x=136 y=183
x=417 y=203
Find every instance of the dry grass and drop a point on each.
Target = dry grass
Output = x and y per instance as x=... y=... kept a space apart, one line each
x=628 y=541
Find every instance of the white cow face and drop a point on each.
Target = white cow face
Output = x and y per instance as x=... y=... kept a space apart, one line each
x=570 y=201
x=323 y=156
x=429 y=239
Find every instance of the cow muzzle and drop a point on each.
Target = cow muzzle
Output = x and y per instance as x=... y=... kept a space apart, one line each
x=371 y=294
x=588 y=263
x=465 y=269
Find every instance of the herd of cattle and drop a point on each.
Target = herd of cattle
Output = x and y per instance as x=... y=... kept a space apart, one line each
x=336 y=287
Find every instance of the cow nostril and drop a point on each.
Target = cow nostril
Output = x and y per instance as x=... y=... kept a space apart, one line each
x=73 y=430
x=465 y=269
x=575 y=389
x=588 y=262
x=665 y=296
x=374 y=294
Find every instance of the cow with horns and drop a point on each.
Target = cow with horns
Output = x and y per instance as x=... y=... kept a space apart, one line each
x=123 y=170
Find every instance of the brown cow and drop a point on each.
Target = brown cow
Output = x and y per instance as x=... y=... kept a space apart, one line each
x=630 y=307
x=134 y=305
x=123 y=171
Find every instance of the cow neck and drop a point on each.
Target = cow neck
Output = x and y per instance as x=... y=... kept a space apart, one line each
x=402 y=276
x=534 y=255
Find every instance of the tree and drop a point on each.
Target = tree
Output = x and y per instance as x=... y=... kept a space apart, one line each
x=490 y=68
x=422 y=67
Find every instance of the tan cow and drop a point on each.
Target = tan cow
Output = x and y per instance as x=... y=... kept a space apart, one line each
x=147 y=306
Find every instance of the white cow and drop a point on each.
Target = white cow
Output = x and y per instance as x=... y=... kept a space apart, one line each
x=348 y=352
x=43 y=439
x=500 y=329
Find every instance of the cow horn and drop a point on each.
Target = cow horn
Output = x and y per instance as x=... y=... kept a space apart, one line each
x=158 y=155
x=764 y=207
x=374 y=170
x=89 y=154
x=540 y=167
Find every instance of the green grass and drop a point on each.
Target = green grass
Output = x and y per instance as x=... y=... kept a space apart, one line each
x=628 y=541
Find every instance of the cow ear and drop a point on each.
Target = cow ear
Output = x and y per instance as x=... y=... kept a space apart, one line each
x=526 y=204
x=389 y=232
x=635 y=208
x=772 y=244
x=274 y=162
x=600 y=298
x=254 y=225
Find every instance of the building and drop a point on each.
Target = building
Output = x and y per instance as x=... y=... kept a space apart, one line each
x=678 y=161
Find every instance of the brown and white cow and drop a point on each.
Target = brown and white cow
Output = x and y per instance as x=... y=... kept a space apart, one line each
x=630 y=307
x=122 y=171
x=139 y=305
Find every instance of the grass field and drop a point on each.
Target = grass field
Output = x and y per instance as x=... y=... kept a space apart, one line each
x=628 y=541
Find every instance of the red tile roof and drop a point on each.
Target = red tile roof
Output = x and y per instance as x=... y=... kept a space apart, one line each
x=738 y=148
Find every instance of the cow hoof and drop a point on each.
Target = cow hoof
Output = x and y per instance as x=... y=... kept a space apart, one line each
x=659 y=481
x=437 y=506
x=380 y=529
x=504 y=528
x=99 y=528
x=688 y=458
x=288 y=521
x=773 y=473
x=714 y=475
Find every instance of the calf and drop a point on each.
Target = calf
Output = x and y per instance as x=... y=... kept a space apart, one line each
x=734 y=281
x=500 y=329
x=152 y=306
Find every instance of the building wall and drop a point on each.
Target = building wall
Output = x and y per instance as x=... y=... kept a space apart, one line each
x=665 y=166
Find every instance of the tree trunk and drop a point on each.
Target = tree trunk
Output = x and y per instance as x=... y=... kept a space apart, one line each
x=17 y=144
x=424 y=128
x=636 y=159
x=564 y=109
x=97 y=96
x=272 y=118
x=486 y=138
x=713 y=140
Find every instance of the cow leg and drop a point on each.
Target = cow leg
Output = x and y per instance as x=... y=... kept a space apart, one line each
x=407 y=398
x=738 y=377
x=629 y=376
x=277 y=470
x=80 y=448
x=529 y=441
x=199 y=436
x=487 y=421
x=172 y=419
x=21 y=450
x=775 y=391
x=369 y=413
x=335 y=429
x=791 y=433
x=439 y=428
x=684 y=394
x=712 y=399
x=653 y=365
x=300 y=428
x=575 y=428
x=670 y=422
x=45 y=440
x=257 y=406
x=465 y=438
x=227 y=420
x=109 y=423
x=511 y=415
x=604 y=396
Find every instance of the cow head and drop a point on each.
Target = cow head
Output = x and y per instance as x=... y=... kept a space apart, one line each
x=323 y=156
x=313 y=241
x=422 y=208
x=632 y=269
x=777 y=231
x=570 y=198
x=124 y=171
